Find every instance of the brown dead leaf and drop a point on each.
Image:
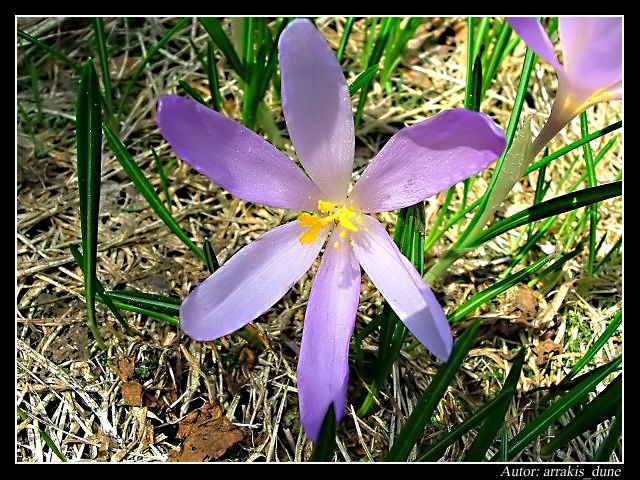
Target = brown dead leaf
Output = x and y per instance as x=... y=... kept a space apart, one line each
x=247 y=357
x=543 y=349
x=526 y=300
x=132 y=393
x=125 y=368
x=207 y=435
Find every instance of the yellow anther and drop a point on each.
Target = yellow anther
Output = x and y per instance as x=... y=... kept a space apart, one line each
x=336 y=244
x=344 y=216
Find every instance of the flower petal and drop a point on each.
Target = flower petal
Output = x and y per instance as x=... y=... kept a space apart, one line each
x=427 y=158
x=249 y=283
x=317 y=108
x=531 y=31
x=234 y=157
x=592 y=50
x=323 y=366
x=403 y=288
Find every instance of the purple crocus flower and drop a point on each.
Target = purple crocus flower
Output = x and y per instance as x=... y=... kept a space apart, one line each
x=591 y=71
x=416 y=163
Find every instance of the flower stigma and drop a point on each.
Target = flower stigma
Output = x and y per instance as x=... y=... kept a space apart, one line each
x=329 y=212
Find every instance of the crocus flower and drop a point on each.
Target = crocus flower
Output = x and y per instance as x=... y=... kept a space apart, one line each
x=591 y=71
x=416 y=163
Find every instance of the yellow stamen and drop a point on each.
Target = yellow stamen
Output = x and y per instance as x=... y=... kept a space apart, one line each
x=341 y=215
x=336 y=244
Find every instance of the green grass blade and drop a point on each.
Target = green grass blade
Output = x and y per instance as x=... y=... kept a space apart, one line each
x=602 y=407
x=496 y=419
x=496 y=56
x=101 y=43
x=152 y=51
x=595 y=348
x=452 y=221
x=428 y=401
x=483 y=28
x=344 y=39
x=504 y=441
x=146 y=189
x=213 y=26
x=192 y=92
x=89 y=149
x=210 y=256
x=570 y=399
x=563 y=151
x=163 y=178
x=212 y=76
x=468 y=87
x=555 y=206
x=435 y=451
x=44 y=436
x=615 y=248
x=362 y=79
x=35 y=87
x=393 y=56
x=324 y=447
x=494 y=290
x=174 y=322
x=606 y=448
x=591 y=182
x=557 y=264
x=149 y=301
x=388 y=24
x=100 y=290
x=56 y=53
x=442 y=212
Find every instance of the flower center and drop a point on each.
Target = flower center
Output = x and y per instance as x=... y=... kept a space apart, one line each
x=329 y=212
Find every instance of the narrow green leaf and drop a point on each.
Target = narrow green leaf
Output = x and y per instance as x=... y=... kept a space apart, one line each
x=591 y=182
x=602 y=407
x=210 y=256
x=555 y=206
x=212 y=75
x=344 y=39
x=570 y=399
x=163 y=178
x=174 y=322
x=497 y=418
x=595 y=347
x=152 y=51
x=100 y=290
x=101 y=42
x=617 y=245
x=56 y=53
x=468 y=87
x=496 y=56
x=149 y=301
x=427 y=403
x=557 y=265
x=89 y=153
x=496 y=289
x=435 y=451
x=474 y=96
x=146 y=189
x=606 y=448
x=362 y=79
x=44 y=436
x=324 y=447
x=192 y=92
x=563 y=151
x=213 y=26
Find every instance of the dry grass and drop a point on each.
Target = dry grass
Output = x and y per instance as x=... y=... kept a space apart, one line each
x=73 y=390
